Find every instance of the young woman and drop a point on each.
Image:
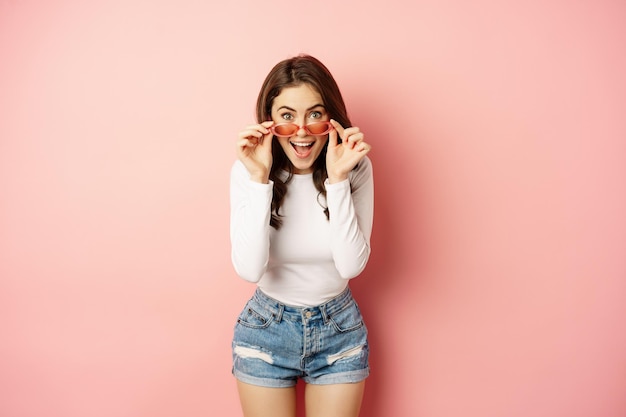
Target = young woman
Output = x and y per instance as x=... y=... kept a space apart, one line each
x=301 y=220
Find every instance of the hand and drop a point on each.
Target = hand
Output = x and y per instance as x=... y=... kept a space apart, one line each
x=341 y=158
x=254 y=149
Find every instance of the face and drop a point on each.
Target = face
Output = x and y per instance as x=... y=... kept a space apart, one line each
x=300 y=105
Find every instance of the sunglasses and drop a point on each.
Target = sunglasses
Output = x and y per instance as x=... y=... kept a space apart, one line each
x=286 y=130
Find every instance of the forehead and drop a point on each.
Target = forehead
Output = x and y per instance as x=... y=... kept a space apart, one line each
x=301 y=96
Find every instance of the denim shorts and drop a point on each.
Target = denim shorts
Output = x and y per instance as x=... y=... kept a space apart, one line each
x=275 y=344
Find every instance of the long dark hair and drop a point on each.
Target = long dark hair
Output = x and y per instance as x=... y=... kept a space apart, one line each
x=302 y=69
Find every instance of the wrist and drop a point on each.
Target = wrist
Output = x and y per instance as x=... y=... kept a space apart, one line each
x=335 y=178
x=260 y=178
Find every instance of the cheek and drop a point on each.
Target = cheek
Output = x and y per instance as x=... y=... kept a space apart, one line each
x=284 y=143
x=322 y=139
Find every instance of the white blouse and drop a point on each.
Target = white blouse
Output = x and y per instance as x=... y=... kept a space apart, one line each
x=310 y=259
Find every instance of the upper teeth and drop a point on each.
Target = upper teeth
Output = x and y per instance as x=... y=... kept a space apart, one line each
x=302 y=143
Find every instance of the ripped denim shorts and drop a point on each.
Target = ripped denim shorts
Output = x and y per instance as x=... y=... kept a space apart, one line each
x=275 y=344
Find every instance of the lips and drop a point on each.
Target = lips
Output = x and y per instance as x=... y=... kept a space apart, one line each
x=302 y=149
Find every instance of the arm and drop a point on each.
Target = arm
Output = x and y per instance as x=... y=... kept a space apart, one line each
x=351 y=219
x=250 y=206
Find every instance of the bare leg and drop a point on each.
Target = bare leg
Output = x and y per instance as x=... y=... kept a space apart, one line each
x=259 y=401
x=336 y=400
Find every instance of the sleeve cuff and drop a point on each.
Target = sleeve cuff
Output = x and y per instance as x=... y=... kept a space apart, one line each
x=336 y=186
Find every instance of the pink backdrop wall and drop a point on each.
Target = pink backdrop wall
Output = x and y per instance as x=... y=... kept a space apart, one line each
x=497 y=283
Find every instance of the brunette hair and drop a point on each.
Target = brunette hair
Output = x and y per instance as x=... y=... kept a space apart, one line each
x=292 y=72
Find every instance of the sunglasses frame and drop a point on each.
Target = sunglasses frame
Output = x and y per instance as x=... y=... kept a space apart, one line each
x=329 y=128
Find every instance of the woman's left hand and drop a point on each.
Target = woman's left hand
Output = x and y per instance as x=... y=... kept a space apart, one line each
x=341 y=158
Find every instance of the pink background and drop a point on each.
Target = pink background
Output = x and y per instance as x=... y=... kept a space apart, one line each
x=497 y=284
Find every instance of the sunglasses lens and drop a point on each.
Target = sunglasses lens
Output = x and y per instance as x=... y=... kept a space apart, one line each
x=287 y=129
x=319 y=128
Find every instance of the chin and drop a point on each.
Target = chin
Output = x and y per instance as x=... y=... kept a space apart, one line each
x=302 y=168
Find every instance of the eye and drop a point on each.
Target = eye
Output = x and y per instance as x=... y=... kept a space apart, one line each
x=315 y=115
x=287 y=116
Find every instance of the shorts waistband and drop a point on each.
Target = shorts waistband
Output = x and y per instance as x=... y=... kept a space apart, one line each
x=325 y=310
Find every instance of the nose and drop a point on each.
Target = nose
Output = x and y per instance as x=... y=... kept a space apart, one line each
x=301 y=132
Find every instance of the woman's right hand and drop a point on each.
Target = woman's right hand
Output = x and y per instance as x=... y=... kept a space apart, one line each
x=254 y=149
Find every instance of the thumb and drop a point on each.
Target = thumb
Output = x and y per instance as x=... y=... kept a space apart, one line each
x=267 y=141
x=333 y=135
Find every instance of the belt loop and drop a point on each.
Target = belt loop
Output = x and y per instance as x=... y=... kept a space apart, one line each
x=323 y=311
x=279 y=314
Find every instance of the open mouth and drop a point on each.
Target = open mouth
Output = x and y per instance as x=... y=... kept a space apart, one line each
x=303 y=149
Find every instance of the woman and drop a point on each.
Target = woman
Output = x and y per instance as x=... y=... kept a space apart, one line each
x=301 y=220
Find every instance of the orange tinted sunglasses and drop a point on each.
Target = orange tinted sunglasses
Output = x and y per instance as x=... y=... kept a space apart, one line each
x=286 y=130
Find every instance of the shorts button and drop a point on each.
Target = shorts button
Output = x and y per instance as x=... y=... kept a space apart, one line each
x=308 y=314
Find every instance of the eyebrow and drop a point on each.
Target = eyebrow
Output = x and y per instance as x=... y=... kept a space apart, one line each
x=295 y=111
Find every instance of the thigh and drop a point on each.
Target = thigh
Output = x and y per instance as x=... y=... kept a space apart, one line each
x=257 y=401
x=337 y=400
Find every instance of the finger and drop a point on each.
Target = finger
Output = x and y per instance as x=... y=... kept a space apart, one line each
x=250 y=133
x=339 y=129
x=353 y=137
x=261 y=128
x=266 y=125
x=364 y=147
x=332 y=135
x=266 y=142
x=352 y=131
x=247 y=143
x=267 y=136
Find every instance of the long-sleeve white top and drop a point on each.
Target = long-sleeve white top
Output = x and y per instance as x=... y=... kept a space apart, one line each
x=310 y=259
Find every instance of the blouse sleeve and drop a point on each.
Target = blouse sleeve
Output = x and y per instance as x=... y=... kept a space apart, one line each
x=351 y=208
x=250 y=210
